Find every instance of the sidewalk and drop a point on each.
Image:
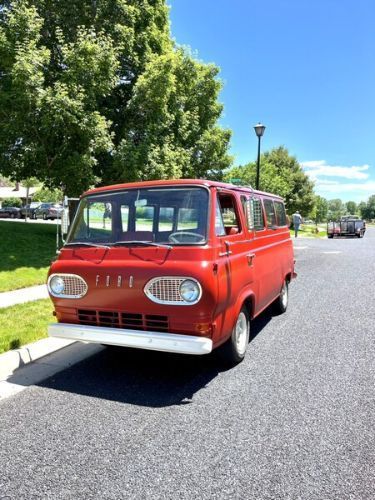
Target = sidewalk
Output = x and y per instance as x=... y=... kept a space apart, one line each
x=14 y=297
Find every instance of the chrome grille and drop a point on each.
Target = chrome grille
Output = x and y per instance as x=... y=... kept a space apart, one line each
x=166 y=289
x=75 y=287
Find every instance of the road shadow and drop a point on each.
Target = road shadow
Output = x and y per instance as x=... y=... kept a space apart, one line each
x=144 y=378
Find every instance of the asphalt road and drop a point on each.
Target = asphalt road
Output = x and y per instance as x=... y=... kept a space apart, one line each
x=294 y=421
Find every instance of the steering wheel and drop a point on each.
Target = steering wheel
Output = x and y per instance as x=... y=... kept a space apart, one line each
x=174 y=237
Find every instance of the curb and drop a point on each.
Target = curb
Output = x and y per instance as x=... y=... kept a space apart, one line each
x=38 y=361
x=11 y=361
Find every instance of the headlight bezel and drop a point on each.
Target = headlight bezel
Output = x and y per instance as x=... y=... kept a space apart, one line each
x=75 y=287
x=174 y=298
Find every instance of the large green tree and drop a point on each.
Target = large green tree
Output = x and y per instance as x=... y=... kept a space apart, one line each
x=96 y=92
x=336 y=209
x=281 y=174
x=368 y=209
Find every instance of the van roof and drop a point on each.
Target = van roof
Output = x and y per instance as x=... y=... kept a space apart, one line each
x=179 y=182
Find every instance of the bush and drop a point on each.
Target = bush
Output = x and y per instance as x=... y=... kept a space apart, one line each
x=12 y=202
x=48 y=195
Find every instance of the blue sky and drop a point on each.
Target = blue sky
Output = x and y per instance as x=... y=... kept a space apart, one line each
x=304 y=68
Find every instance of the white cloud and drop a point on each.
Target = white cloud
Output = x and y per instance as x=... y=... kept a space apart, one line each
x=322 y=174
x=317 y=168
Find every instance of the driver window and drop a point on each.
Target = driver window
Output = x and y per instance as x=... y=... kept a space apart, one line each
x=227 y=205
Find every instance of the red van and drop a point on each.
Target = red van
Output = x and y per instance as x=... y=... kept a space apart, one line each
x=179 y=266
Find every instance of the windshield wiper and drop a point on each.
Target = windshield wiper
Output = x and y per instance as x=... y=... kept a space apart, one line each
x=140 y=243
x=86 y=244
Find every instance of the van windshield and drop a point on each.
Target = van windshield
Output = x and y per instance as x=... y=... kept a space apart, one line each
x=165 y=215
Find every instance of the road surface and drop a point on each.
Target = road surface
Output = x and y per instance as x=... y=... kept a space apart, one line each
x=295 y=420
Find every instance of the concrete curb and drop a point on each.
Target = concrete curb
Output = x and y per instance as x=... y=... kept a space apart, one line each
x=38 y=361
x=11 y=361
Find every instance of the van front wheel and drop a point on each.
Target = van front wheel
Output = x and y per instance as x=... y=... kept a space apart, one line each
x=234 y=349
x=281 y=303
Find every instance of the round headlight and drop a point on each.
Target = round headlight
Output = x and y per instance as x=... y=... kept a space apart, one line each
x=189 y=290
x=57 y=285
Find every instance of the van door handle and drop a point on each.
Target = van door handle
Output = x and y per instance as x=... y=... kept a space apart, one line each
x=227 y=252
x=250 y=257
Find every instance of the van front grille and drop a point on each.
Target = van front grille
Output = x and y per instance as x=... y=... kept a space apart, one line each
x=119 y=319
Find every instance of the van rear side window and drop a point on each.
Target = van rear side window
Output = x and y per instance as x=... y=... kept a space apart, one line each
x=258 y=215
x=280 y=213
x=270 y=213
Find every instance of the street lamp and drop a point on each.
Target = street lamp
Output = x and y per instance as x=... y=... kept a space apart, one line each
x=259 y=130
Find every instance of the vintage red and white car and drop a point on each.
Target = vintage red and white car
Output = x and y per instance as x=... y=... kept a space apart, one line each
x=180 y=266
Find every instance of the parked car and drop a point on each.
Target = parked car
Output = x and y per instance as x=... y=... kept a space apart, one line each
x=180 y=266
x=29 y=210
x=48 y=211
x=10 y=212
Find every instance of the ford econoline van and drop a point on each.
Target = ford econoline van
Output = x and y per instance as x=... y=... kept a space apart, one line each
x=180 y=266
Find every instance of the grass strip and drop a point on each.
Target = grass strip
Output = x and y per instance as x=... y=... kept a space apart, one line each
x=26 y=251
x=24 y=323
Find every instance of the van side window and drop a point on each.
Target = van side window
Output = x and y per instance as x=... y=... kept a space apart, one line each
x=270 y=212
x=257 y=214
x=219 y=223
x=280 y=213
x=247 y=210
x=227 y=204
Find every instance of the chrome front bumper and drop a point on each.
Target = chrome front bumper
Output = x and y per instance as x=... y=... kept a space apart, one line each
x=155 y=341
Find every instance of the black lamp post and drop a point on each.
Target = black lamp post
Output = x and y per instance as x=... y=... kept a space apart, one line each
x=259 y=130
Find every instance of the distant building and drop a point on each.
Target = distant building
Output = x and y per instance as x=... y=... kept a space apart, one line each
x=17 y=191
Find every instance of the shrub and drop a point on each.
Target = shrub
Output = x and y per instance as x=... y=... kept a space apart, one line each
x=12 y=202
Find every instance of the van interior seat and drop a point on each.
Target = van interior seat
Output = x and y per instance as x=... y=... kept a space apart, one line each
x=137 y=236
x=231 y=230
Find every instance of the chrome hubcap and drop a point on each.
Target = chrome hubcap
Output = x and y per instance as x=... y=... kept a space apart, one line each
x=241 y=333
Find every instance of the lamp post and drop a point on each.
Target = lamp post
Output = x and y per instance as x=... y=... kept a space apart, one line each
x=259 y=130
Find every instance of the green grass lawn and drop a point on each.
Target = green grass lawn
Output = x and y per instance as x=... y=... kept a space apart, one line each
x=24 y=323
x=26 y=251
x=309 y=231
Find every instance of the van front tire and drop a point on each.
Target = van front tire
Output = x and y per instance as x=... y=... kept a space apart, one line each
x=234 y=349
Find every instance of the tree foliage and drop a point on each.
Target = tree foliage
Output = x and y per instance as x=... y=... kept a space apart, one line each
x=351 y=207
x=280 y=173
x=367 y=209
x=321 y=209
x=97 y=92
x=48 y=195
x=12 y=202
x=336 y=209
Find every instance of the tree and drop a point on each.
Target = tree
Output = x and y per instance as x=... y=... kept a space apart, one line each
x=12 y=202
x=351 y=207
x=368 y=209
x=280 y=174
x=96 y=92
x=321 y=205
x=362 y=209
x=336 y=209
x=172 y=130
x=48 y=195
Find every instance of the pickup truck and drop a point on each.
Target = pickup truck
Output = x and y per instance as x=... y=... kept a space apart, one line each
x=348 y=225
